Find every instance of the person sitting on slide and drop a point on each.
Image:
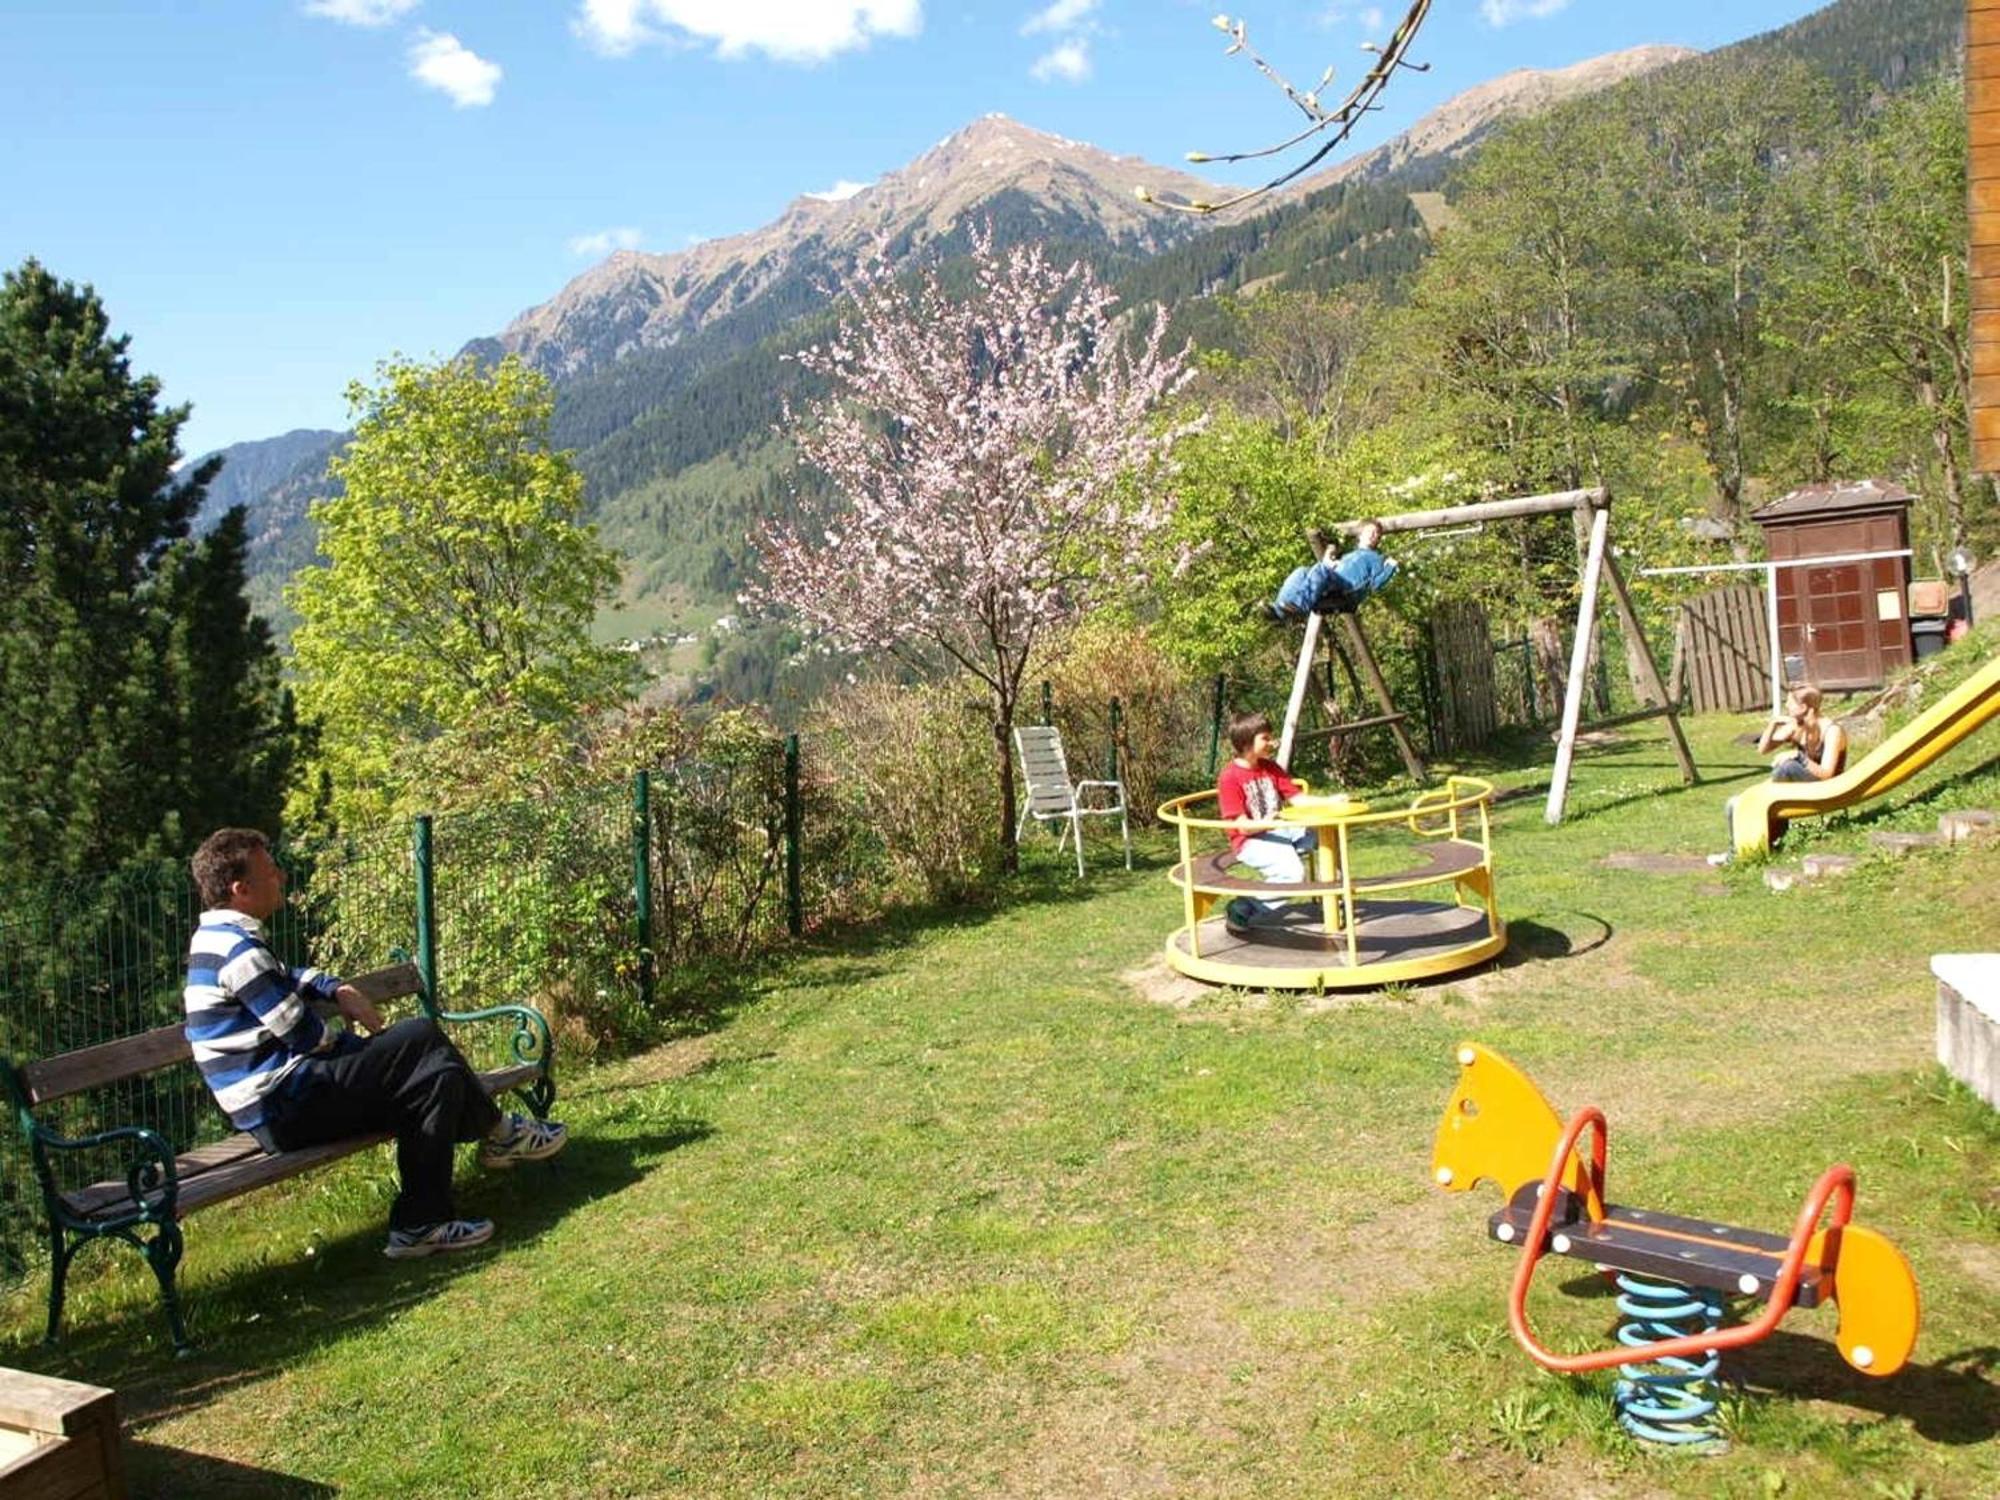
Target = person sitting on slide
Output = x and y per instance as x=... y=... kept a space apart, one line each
x=1814 y=749
x=1336 y=584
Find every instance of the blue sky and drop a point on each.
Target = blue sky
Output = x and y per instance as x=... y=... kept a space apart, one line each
x=272 y=195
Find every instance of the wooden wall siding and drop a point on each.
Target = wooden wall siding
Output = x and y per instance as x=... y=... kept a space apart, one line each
x=1982 y=96
x=1724 y=650
x=1468 y=707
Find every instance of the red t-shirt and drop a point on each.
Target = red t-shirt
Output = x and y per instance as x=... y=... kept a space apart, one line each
x=1255 y=792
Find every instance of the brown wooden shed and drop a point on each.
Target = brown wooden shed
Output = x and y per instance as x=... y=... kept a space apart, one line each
x=1848 y=620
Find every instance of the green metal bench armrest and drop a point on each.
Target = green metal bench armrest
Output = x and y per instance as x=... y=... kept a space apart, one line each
x=151 y=1171
x=532 y=1041
x=530 y=1025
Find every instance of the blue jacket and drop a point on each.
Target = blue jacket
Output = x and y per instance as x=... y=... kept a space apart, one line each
x=1355 y=576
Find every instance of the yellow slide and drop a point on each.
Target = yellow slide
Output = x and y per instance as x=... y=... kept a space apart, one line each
x=1893 y=762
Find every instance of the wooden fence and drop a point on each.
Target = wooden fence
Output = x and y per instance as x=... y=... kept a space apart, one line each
x=1466 y=712
x=1722 y=651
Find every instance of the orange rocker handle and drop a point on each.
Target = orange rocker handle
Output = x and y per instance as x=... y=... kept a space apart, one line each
x=1835 y=1184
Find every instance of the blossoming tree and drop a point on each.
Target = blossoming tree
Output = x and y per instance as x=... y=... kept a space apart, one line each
x=996 y=465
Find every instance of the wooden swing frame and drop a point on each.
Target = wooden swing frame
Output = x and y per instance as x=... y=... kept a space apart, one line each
x=1591 y=509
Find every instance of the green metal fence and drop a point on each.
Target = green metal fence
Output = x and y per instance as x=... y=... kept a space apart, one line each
x=606 y=909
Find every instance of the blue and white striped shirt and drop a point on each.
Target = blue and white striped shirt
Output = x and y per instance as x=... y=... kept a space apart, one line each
x=249 y=1018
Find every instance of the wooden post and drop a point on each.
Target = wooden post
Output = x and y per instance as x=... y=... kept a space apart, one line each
x=1982 y=104
x=1301 y=680
x=1357 y=648
x=1579 y=662
x=1628 y=618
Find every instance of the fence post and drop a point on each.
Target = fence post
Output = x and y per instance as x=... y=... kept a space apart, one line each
x=420 y=849
x=1048 y=703
x=1117 y=723
x=795 y=906
x=642 y=880
x=1215 y=727
x=1430 y=685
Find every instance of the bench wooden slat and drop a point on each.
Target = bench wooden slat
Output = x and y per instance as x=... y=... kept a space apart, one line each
x=223 y=1169
x=134 y=1056
x=107 y=1062
x=380 y=986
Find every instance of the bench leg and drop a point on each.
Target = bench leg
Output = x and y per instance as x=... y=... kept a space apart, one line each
x=539 y=1096
x=59 y=1257
x=163 y=1254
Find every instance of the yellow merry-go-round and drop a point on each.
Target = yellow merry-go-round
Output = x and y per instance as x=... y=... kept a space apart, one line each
x=1393 y=894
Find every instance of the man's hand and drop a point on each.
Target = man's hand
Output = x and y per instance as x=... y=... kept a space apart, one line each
x=358 y=1009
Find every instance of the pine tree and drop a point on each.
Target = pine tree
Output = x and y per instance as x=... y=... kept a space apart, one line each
x=102 y=600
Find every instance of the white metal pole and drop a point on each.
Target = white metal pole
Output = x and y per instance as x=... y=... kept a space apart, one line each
x=1771 y=623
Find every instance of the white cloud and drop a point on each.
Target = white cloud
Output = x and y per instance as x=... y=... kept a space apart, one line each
x=605 y=241
x=1506 y=12
x=1367 y=18
x=441 y=61
x=1060 y=15
x=800 y=31
x=840 y=192
x=360 y=12
x=1068 y=62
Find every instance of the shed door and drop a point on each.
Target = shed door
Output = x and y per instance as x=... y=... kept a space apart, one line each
x=1841 y=648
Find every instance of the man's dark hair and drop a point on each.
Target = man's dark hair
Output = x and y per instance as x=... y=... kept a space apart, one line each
x=222 y=860
x=1245 y=728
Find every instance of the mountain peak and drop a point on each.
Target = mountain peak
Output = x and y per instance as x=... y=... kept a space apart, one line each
x=1465 y=119
x=632 y=300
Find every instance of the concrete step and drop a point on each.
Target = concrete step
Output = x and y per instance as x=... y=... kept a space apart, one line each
x=1968 y=824
x=1896 y=845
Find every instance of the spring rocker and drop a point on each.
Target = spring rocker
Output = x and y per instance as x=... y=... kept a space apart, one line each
x=1342 y=929
x=1673 y=1273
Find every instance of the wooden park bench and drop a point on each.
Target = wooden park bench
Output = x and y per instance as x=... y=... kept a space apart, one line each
x=159 y=1187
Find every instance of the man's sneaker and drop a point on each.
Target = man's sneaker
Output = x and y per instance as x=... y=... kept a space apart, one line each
x=452 y=1234
x=1237 y=914
x=1727 y=856
x=522 y=1138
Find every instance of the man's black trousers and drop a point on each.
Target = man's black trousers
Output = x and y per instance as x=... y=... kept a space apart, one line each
x=409 y=1079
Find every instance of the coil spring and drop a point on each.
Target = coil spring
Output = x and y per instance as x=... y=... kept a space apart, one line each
x=1668 y=1401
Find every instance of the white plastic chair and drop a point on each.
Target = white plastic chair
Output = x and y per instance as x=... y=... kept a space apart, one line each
x=1051 y=796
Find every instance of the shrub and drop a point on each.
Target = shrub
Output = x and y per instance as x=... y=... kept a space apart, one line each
x=918 y=764
x=1164 y=721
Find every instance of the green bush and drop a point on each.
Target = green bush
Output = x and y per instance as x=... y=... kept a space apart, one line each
x=918 y=763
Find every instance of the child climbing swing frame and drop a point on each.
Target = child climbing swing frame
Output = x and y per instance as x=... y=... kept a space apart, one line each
x=1592 y=510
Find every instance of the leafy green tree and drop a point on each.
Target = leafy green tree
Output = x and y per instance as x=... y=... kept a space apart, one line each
x=1517 y=341
x=126 y=651
x=1876 y=297
x=452 y=614
x=1699 y=195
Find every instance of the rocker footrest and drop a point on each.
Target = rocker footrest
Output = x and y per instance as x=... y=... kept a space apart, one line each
x=1694 y=1252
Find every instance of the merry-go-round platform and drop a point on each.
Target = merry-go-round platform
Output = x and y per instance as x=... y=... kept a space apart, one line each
x=1353 y=924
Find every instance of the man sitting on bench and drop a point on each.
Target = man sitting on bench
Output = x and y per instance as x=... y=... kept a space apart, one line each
x=281 y=1075
x=1335 y=584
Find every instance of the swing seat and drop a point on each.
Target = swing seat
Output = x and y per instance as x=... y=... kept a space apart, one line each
x=1694 y=1252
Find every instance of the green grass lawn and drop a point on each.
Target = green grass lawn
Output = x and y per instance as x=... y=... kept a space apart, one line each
x=974 y=1204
